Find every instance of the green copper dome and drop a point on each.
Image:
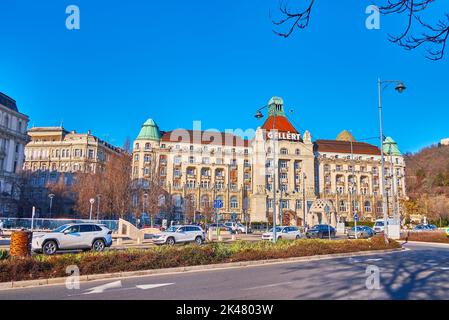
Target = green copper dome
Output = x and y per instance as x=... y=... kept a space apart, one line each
x=276 y=106
x=391 y=147
x=149 y=131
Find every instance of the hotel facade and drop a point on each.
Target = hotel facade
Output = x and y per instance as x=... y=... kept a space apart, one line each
x=322 y=181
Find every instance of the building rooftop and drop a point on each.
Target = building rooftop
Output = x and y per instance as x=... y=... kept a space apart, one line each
x=391 y=147
x=204 y=137
x=149 y=131
x=345 y=135
x=8 y=102
x=336 y=146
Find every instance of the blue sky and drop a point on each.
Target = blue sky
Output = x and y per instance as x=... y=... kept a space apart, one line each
x=216 y=61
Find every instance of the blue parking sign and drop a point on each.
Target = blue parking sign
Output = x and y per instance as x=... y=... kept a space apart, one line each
x=218 y=204
x=356 y=217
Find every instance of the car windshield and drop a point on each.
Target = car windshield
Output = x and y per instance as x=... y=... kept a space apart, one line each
x=171 y=229
x=61 y=228
x=358 y=228
x=379 y=224
x=278 y=229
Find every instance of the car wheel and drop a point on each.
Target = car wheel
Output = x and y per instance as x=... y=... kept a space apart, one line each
x=279 y=238
x=170 y=241
x=298 y=237
x=50 y=247
x=98 y=245
x=199 y=241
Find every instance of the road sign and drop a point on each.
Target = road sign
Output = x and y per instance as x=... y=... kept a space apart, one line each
x=218 y=204
x=356 y=217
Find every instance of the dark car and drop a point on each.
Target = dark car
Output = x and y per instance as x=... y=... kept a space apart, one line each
x=321 y=231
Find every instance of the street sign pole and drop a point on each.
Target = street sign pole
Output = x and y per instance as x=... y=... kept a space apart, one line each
x=218 y=204
x=356 y=218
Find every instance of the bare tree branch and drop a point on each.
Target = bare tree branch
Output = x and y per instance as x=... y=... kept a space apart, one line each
x=433 y=36
x=298 y=19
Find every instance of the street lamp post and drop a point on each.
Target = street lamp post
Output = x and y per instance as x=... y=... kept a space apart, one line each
x=259 y=115
x=51 y=196
x=98 y=206
x=92 y=201
x=145 y=196
x=304 y=177
x=400 y=87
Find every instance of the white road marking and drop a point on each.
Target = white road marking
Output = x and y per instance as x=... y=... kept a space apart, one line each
x=378 y=259
x=152 y=286
x=102 y=288
x=270 y=285
x=444 y=268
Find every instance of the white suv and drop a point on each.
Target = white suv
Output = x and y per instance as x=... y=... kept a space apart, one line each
x=283 y=233
x=180 y=234
x=83 y=236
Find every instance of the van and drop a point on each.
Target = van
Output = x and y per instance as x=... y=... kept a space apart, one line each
x=379 y=226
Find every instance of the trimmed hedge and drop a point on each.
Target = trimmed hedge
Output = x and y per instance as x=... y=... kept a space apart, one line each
x=40 y=266
x=433 y=236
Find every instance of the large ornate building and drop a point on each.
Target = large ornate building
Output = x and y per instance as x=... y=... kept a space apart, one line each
x=13 y=137
x=316 y=181
x=55 y=155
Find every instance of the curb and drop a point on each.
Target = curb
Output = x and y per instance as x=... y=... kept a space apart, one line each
x=176 y=270
x=426 y=243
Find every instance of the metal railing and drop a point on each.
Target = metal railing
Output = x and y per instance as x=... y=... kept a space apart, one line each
x=42 y=224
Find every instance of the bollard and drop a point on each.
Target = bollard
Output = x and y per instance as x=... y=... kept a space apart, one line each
x=233 y=237
x=20 y=245
x=119 y=241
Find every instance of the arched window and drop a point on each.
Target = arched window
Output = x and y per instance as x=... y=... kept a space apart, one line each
x=204 y=201
x=379 y=207
x=367 y=206
x=284 y=151
x=234 y=202
x=147 y=146
x=342 y=206
x=137 y=146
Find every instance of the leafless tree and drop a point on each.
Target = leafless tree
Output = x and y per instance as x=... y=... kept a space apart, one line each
x=433 y=35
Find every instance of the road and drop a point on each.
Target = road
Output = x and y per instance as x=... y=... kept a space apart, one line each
x=421 y=272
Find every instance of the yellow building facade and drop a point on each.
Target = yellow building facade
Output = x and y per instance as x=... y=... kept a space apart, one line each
x=315 y=181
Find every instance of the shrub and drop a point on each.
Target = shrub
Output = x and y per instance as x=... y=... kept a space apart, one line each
x=40 y=266
x=4 y=254
x=433 y=236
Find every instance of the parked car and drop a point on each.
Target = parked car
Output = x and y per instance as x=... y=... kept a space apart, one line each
x=80 y=236
x=283 y=233
x=181 y=234
x=222 y=227
x=363 y=232
x=425 y=227
x=379 y=226
x=321 y=231
x=236 y=227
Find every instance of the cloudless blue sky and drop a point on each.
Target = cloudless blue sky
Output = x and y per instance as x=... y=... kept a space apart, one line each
x=216 y=61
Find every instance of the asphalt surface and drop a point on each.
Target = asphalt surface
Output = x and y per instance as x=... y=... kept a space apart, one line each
x=420 y=272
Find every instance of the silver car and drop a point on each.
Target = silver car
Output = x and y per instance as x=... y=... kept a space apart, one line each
x=181 y=234
x=363 y=232
x=283 y=233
